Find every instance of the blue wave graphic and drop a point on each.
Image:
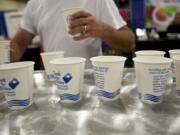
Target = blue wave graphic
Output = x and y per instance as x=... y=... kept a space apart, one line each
x=153 y=98
x=70 y=97
x=108 y=94
x=25 y=102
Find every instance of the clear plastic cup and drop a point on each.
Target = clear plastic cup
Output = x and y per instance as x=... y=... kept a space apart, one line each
x=67 y=15
x=152 y=74
x=151 y=53
x=4 y=52
x=176 y=60
x=69 y=74
x=47 y=57
x=108 y=71
x=16 y=81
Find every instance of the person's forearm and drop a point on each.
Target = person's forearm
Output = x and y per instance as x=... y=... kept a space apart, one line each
x=19 y=44
x=16 y=51
x=122 y=40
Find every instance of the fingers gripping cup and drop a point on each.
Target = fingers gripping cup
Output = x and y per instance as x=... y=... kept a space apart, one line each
x=67 y=15
x=177 y=74
x=47 y=57
x=17 y=88
x=108 y=71
x=149 y=53
x=151 y=77
x=4 y=52
x=68 y=73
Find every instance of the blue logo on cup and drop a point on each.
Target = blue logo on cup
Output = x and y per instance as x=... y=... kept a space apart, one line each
x=13 y=83
x=67 y=78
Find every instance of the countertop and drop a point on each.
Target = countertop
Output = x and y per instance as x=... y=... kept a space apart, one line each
x=91 y=116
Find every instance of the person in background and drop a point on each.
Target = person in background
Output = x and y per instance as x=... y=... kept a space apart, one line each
x=98 y=21
x=175 y=26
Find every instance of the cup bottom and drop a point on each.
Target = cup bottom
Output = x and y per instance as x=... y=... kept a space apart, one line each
x=107 y=96
x=19 y=104
x=150 y=99
x=67 y=98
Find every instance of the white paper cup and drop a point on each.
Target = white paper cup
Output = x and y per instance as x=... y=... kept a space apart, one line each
x=172 y=53
x=108 y=71
x=4 y=52
x=152 y=53
x=47 y=57
x=69 y=74
x=16 y=81
x=67 y=15
x=176 y=60
x=82 y=68
x=151 y=77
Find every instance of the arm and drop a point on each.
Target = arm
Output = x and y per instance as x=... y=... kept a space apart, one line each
x=122 y=39
x=19 y=44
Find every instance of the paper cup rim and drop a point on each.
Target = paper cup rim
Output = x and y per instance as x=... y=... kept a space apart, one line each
x=108 y=59
x=5 y=41
x=67 y=61
x=174 y=51
x=16 y=65
x=77 y=58
x=51 y=53
x=70 y=9
x=176 y=57
x=149 y=52
x=152 y=60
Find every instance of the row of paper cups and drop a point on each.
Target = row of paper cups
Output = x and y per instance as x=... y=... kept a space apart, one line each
x=152 y=74
x=68 y=74
x=16 y=79
x=153 y=71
